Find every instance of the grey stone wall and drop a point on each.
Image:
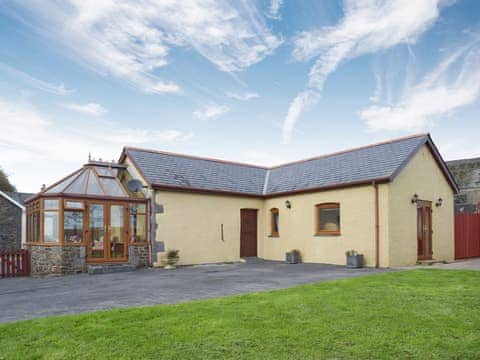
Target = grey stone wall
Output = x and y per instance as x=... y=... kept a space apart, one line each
x=10 y=225
x=57 y=259
x=138 y=255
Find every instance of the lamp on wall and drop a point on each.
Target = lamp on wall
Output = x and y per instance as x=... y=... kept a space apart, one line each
x=415 y=198
x=439 y=202
x=288 y=204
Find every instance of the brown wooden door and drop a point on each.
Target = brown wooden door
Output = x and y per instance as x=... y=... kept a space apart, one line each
x=248 y=232
x=424 y=230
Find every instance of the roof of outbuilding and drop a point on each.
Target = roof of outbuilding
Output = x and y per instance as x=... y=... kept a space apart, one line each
x=377 y=162
x=19 y=196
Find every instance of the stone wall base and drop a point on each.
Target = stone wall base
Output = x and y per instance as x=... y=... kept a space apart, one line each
x=62 y=260
x=45 y=260
x=138 y=255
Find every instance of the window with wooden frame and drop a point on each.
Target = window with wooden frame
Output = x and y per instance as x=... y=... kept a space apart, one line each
x=51 y=220
x=138 y=223
x=327 y=217
x=33 y=222
x=73 y=216
x=274 y=222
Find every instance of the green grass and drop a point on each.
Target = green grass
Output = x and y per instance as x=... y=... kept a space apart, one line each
x=424 y=314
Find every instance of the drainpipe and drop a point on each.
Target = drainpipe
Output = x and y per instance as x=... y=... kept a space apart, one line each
x=377 y=227
x=152 y=227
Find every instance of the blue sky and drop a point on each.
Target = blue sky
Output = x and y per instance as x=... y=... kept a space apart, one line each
x=263 y=82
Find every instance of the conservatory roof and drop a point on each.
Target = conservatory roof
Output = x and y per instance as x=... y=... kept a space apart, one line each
x=95 y=179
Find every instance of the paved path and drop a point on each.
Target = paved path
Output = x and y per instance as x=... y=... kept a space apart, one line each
x=26 y=298
x=468 y=264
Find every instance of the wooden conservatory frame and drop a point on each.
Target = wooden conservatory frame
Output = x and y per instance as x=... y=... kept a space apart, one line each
x=128 y=205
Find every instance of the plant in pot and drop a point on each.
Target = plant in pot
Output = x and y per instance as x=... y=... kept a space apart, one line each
x=354 y=259
x=172 y=259
x=293 y=257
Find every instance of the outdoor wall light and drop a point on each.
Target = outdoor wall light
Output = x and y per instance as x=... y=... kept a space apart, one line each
x=414 y=198
x=288 y=204
x=439 y=202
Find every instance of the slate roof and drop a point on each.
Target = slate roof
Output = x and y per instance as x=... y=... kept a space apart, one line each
x=379 y=162
x=19 y=196
x=190 y=172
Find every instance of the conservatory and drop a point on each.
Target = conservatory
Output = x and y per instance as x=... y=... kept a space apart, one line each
x=87 y=218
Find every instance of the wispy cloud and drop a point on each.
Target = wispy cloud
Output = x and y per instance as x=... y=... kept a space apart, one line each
x=34 y=82
x=453 y=84
x=211 y=112
x=274 y=9
x=163 y=87
x=242 y=97
x=89 y=109
x=367 y=26
x=131 y=39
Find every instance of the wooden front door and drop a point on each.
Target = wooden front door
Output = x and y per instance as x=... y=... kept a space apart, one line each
x=424 y=230
x=107 y=232
x=248 y=232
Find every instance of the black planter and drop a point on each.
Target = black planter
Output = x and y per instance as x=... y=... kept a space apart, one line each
x=292 y=258
x=355 y=261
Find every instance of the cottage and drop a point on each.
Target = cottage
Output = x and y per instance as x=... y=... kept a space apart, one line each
x=12 y=220
x=392 y=202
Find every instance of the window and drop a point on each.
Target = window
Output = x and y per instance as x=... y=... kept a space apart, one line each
x=50 y=226
x=274 y=222
x=328 y=219
x=50 y=221
x=73 y=226
x=74 y=205
x=33 y=222
x=138 y=223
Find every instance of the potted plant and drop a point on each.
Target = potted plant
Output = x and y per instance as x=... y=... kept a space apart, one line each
x=354 y=259
x=172 y=259
x=293 y=257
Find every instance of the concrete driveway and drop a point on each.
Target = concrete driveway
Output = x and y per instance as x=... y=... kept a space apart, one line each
x=27 y=298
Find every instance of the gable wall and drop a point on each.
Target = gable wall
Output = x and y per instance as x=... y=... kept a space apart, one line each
x=10 y=225
x=422 y=176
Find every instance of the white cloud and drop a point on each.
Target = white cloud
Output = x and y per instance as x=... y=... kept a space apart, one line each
x=131 y=39
x=163 y=87
x=274 y=9
x=453 y=84
x=243 y=97
x=367 y=27
x=32 y=143
x=37 y=83
x=210 y=112
x=89 y=109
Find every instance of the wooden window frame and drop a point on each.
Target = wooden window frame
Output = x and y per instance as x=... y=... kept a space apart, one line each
x=273 y=232
x=138 y=243
x=318 y=208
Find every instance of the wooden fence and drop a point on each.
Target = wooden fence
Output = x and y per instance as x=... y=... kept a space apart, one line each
x=14 y=263
x=467 y=235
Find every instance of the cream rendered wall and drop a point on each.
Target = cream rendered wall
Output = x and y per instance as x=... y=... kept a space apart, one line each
x=422 y=176
x=357 y=223
x=191 y=223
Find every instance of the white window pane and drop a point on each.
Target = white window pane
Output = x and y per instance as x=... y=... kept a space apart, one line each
x=50 y=226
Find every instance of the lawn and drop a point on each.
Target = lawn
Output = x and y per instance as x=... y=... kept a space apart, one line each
x=425 y=314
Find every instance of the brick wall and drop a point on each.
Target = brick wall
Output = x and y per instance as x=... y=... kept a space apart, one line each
x=10 y=225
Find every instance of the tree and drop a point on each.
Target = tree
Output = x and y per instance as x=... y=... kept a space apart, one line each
x=5 y=184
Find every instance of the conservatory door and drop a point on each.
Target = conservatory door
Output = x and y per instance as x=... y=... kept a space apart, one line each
x=107 y=232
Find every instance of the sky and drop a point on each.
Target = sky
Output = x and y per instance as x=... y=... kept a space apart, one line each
x=263 y=82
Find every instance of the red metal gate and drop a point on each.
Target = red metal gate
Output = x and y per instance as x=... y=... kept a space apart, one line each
x=14 y=263
x=467 y=235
